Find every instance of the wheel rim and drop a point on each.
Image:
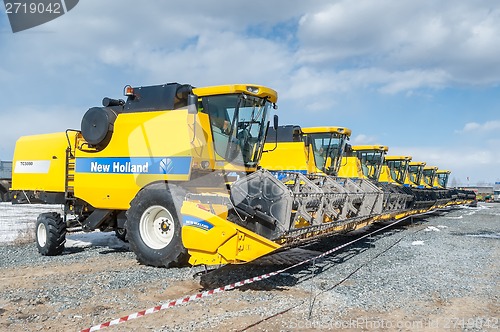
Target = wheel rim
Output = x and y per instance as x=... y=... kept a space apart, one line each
x=41 y=235
x=157 y=227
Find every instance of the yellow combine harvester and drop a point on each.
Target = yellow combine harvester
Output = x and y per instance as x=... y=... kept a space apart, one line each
x=133 y=162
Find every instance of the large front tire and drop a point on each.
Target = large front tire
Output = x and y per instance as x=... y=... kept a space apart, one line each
x=50 y=234
x=154 y=226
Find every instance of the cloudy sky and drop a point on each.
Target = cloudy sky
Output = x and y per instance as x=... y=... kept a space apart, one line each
x=419 y=76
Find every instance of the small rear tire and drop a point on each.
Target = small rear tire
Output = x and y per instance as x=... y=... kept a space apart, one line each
x=50 y=234
x=121 y=233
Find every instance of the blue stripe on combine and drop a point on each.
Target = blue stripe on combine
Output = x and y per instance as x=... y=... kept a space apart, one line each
x=196 y=222
x=280 y=175
x=134 y=165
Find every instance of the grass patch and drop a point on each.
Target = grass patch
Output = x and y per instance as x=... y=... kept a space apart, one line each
x=25 y=236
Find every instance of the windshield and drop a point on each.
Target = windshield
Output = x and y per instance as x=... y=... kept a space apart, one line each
x=398 y=169
x=371 y=162
x=429 y=176
x=238 y=125
x=415 y=172
x=327 y=149
x=442 y=179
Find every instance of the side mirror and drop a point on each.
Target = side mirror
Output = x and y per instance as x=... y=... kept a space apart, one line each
x=192 y=104
x=275 y=127
x=275 y=123
x=348 y=150
x=308 y=140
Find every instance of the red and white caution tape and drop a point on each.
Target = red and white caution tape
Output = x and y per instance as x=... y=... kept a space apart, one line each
x=230 y=286
x=180 y=301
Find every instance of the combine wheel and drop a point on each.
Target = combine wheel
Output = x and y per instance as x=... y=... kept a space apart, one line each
x=50 y=234
x=121 y=233
x=4 y=191
x=154 y=226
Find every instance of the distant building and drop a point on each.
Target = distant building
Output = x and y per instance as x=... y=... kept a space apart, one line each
x=496 y=192
x=482 y=192
x=5 y=180
x=5 y=170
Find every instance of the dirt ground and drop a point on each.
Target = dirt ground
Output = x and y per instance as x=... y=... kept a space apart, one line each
x=40 y=315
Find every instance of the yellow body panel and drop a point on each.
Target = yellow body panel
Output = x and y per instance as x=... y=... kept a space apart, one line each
x=40 y=162
x=149 y=141
x=288 y=156
x=385 y=175
x=351 y=168
x=105 y=178
x=211 y=239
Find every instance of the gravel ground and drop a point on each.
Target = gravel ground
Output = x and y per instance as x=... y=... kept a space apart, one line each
x=437 y=273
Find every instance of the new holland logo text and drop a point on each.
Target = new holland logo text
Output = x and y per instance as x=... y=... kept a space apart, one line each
x=135 y=165
x=118 y=167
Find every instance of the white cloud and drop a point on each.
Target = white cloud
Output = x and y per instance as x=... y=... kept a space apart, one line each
x=391 y=46
x=35 y=119
x=478 y=163
x=217 y=58
x=485 y=127
x=362 y=139
x=457 y=38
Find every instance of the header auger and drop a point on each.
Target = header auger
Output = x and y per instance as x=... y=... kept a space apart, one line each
x=183 y=174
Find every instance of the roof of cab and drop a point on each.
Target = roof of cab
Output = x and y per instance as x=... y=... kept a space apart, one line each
x=249 y=89
x=317 y=130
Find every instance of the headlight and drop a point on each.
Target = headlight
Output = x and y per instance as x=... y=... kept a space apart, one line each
x=252 y=89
